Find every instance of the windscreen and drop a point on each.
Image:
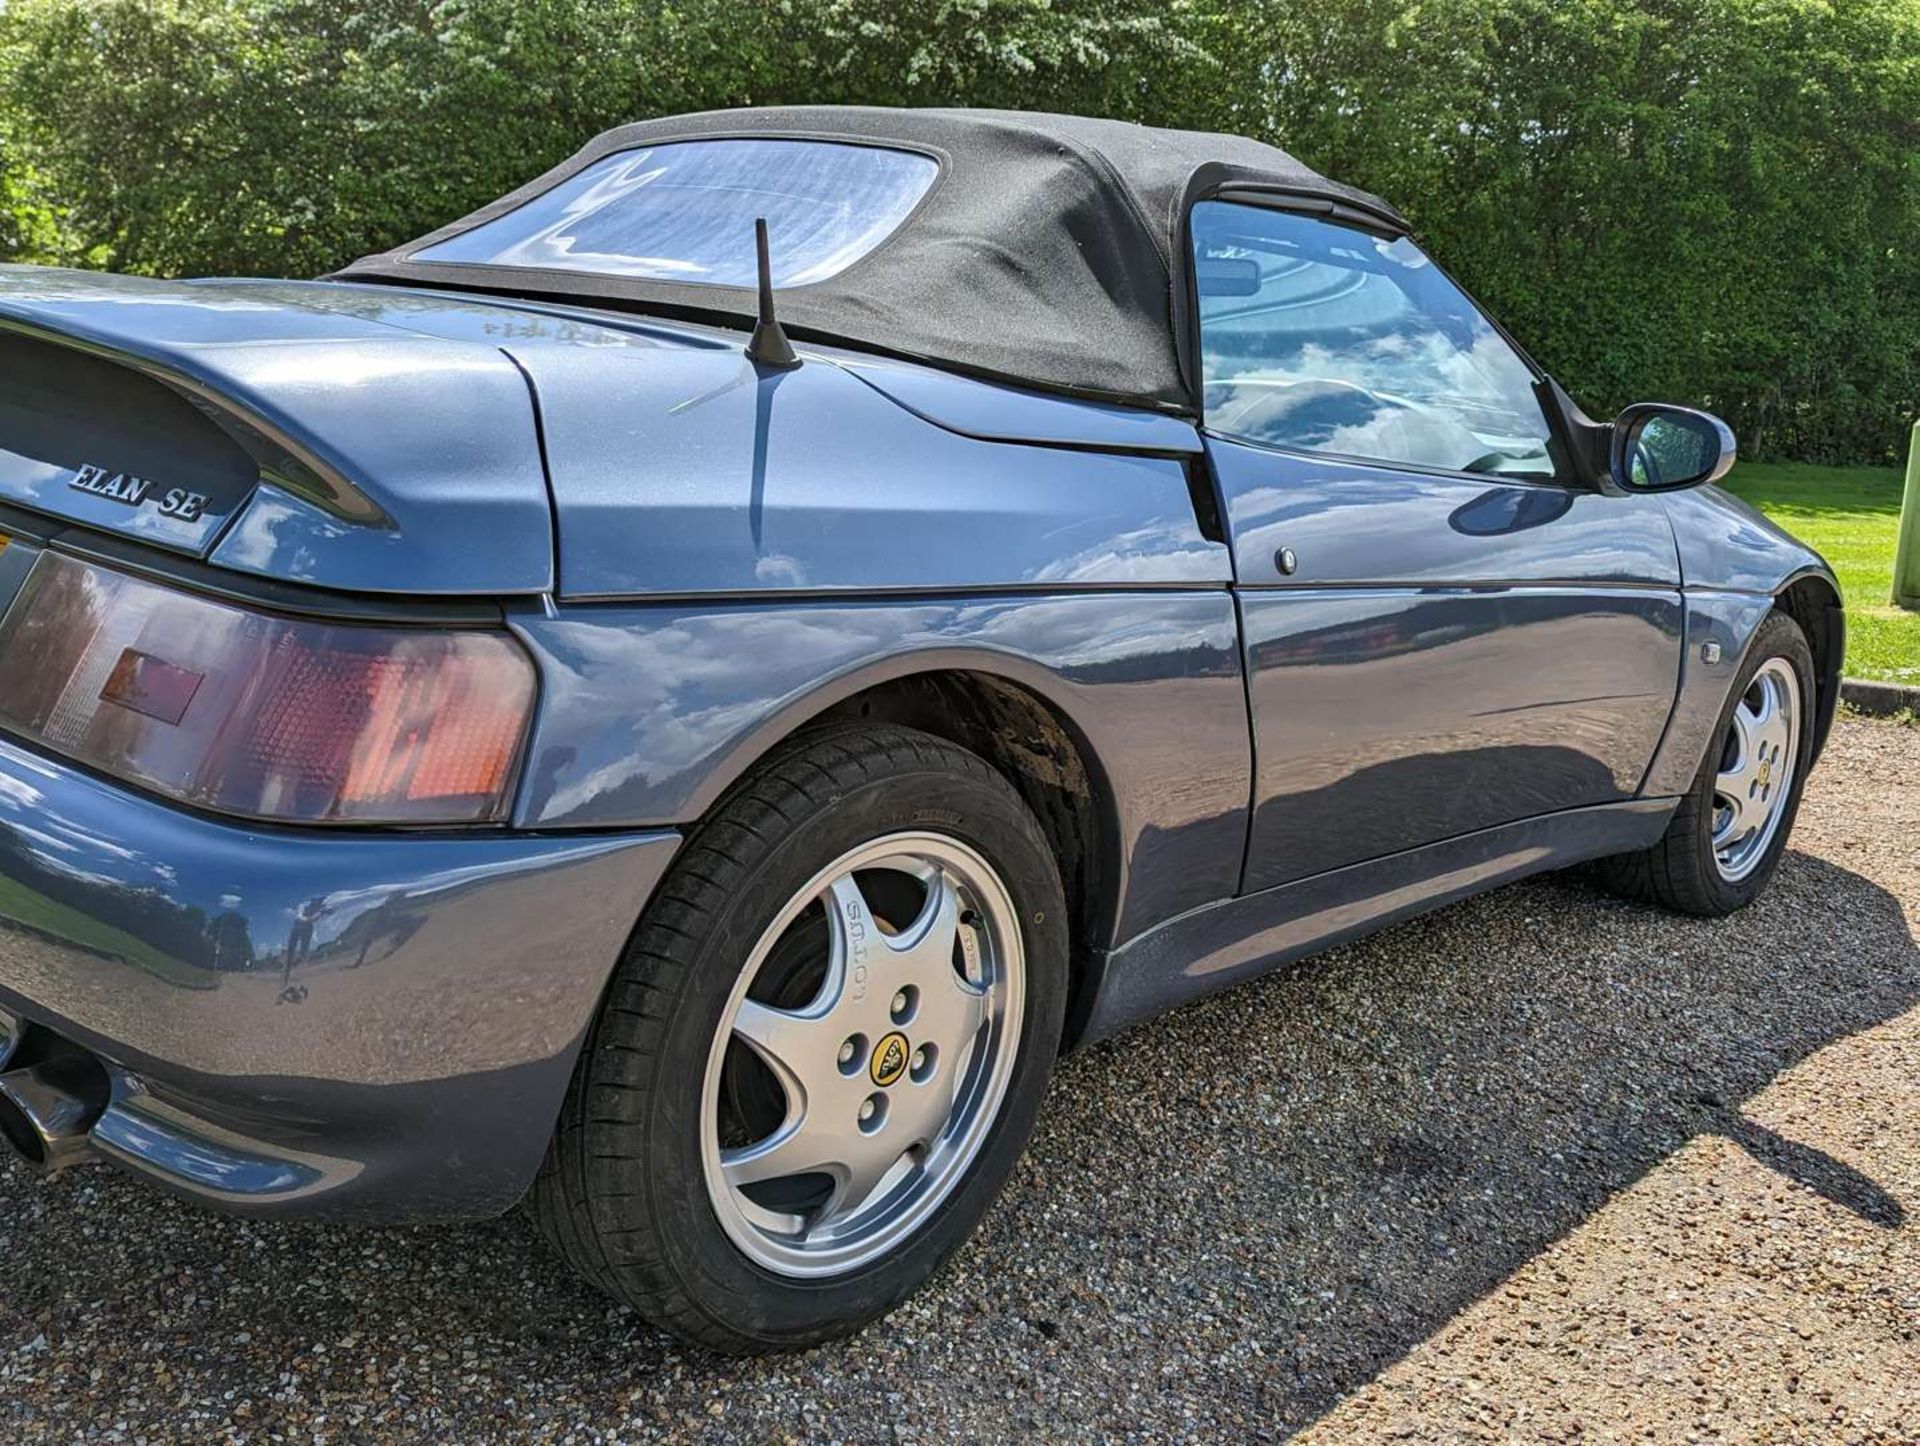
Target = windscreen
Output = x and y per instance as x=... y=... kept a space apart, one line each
x=685 y=212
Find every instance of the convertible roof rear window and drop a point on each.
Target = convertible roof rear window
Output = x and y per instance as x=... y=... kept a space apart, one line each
x=1048 y=251
x=684 y=212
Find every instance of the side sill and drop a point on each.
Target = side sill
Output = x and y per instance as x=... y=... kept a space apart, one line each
x=1220 y=945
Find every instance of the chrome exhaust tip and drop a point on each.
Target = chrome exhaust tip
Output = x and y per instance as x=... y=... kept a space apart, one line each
x=47 y=1110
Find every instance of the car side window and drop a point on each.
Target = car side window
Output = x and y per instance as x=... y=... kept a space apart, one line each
x=1324 y=338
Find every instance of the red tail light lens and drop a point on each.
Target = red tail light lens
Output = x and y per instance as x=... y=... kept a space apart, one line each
x=262 y=716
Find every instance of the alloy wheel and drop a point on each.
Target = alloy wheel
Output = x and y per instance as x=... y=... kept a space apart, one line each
x=1757 y=761
x=863 y=1056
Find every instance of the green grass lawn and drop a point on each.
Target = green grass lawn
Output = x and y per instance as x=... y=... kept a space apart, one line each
x=25 y=907
x=1852 y=516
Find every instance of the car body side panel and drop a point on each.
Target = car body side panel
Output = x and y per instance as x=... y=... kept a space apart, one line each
x=1443 y=655
x=1214 y=948
x=1510 y=704
x=1350 y=523
x=1727 y=621
x=696 y=473
x=653 y=710
x=1736 y=563
x=1008 y=414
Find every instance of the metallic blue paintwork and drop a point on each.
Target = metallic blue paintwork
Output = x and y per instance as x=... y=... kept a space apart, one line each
x=675 y=467
x=1449 y=653
x=1235 y=939
x=1735 y=563
x=1726 y=545
x=79 y=434
x=695 y=472
x=1386 y=718
x=1007 y=414
x=438 y=435
x=652 y=711
x=486 y=321
x=961 y=404
x=1224 y=943
x=1730 y=620
x=1349 y=523
x=371 y=1026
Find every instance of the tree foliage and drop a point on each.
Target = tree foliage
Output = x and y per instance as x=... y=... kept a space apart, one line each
x=1716 y=201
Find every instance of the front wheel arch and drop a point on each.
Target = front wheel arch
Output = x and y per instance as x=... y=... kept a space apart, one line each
x=1813 y=601
x=1683 y=869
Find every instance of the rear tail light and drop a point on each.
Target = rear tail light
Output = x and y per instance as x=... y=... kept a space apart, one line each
x=263 y=716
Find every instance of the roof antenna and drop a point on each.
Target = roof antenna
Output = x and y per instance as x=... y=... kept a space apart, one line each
x=769 y=346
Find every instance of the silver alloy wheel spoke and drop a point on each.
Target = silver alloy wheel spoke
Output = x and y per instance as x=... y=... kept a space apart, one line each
x=867 y=1160
x=1731 y=812
x=786 y=1042
x=930 y=937
x=893 y=1071
x=791 y=1150
x=850 y=926
x=1760 y=751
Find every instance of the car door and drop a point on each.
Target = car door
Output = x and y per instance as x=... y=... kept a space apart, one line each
x=1440 y=637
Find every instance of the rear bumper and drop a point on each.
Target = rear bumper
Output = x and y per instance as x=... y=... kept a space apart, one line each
x=370 y=1026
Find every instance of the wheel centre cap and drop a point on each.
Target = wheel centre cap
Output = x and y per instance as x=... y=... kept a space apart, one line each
x=890 y=1057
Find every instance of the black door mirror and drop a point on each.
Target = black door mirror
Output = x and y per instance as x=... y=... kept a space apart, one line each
x=1657 y=448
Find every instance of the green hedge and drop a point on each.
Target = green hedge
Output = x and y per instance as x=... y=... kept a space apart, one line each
x=1716 y=201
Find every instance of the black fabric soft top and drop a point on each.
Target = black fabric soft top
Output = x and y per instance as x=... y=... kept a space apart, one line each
x=1051 y=251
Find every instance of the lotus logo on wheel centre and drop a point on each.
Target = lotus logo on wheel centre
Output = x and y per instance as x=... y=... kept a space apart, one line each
x=890 y=1059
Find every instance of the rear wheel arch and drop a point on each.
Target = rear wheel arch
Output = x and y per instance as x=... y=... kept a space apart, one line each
x=1035 y=745
x=998 y=708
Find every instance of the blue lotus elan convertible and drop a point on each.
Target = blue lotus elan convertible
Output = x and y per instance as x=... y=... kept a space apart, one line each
x=676 y=696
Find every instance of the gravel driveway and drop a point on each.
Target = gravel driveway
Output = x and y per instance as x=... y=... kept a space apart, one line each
x=1540 y=1162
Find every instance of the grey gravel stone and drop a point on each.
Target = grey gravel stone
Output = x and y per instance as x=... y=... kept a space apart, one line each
x=1541 y=1166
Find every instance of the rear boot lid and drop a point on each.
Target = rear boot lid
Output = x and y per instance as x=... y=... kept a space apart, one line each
x=266 y=428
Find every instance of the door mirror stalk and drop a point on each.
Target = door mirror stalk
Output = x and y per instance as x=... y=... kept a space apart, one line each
x=1650 y=447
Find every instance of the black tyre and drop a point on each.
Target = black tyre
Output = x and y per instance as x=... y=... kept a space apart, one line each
x=823 y=1051
x=1728 y=834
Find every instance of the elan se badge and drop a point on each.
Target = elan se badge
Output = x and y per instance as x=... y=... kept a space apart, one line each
x=174 y=502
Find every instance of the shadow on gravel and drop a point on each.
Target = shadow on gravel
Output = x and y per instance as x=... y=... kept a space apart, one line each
x=1231 y=1218
x=1816 y=1170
